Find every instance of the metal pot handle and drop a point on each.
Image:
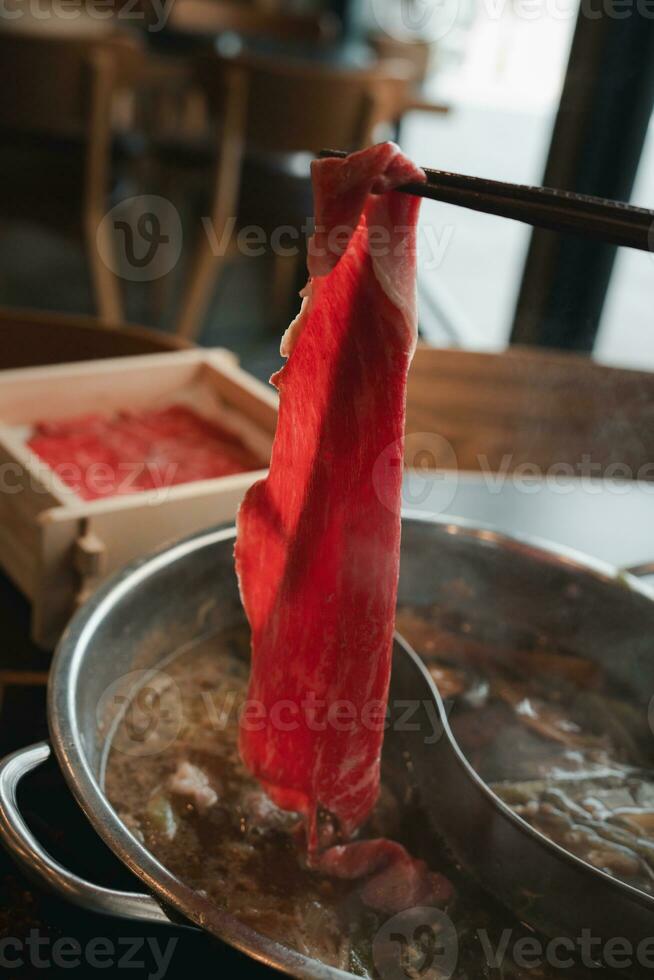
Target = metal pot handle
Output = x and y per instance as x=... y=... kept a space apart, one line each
x=36 y=862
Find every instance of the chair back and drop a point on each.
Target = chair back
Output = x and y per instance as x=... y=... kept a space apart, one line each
x=292 y=106
x=49 y=84
x=276 y=110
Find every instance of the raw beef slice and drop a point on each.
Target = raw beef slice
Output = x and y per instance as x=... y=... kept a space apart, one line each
x=317 y=550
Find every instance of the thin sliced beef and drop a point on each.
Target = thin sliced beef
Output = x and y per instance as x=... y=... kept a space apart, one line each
x=105 y=456
x=317 y=552
x=394 y=880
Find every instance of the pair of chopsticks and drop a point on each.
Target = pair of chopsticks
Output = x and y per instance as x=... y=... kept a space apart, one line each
x=593 y=217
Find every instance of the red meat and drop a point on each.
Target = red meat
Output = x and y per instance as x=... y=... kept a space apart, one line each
x=317 y=552
x=105 y=456
x=395 y=880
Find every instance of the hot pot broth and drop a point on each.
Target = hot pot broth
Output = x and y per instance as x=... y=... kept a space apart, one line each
x=528 y=720
x=238 y=849
x=555 y=737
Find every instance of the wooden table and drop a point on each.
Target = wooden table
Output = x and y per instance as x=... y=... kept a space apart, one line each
x=531 y=407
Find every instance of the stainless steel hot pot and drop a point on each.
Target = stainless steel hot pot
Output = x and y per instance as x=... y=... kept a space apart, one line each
x=151 y=609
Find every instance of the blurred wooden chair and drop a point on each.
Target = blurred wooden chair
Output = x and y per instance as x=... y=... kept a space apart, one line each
x=173 y=108
x=274 y=109
x=418 y=57
x=30 y=337
x=56 y=101
x=418 y=54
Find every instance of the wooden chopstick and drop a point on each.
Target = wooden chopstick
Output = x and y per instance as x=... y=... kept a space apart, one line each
x=593 y=217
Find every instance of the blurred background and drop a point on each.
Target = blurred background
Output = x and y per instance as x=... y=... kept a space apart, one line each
x=156 y=153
